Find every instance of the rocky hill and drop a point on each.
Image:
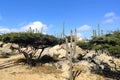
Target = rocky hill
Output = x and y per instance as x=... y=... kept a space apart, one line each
x=86 y=66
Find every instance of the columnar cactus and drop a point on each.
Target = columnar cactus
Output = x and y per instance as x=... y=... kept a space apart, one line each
x=72 y=52
x=95 y=34
x=101 y=32
x=63 y=31
x=71 y=55
x=98 y=30
x=75 y=41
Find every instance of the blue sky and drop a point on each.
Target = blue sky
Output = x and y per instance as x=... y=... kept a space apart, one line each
x=85 y=15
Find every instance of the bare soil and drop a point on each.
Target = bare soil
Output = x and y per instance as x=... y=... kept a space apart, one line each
x=12 y=71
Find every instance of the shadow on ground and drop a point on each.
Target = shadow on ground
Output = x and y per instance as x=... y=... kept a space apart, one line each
x=34 y=62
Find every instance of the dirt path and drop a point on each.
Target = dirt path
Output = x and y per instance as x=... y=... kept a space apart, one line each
x=2 y=60
x=11 y=71
x=20 y=72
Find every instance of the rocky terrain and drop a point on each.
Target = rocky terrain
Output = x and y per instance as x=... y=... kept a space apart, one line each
x=86 y=66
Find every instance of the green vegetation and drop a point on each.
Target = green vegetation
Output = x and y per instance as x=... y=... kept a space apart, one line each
x=109 y=42
x=36 y=40
x=85 y=45
x=33 y=40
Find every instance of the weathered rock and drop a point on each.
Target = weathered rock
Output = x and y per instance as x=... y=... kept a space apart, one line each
x=63 y=65
x=90 y=54
x=62 y=53
x=79 y=50
x=15 y=46
x=53 y=51
x=102 y=58
x=46 y=52
x=65 y=68
x=83 y=66
x=5 y=51
x=7 y=46
x=56 y=47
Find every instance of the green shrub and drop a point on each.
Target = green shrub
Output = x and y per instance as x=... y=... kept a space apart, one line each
x=85 y=45
x=110 y=42
x=31 y=39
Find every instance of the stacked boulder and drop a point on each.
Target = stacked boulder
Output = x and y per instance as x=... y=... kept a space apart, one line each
x=7 y=49
x=60 y=50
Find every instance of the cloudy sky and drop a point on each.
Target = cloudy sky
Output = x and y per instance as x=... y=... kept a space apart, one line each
x=85 y=15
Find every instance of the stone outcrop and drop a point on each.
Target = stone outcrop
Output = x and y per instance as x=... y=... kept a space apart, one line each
x=7 y=45
x=7 y=49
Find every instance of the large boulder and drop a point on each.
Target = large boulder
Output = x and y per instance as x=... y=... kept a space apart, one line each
x=63 y=65
x=46 y=52
x=5 y=51
x=90 y=54
x=53 y=51
x=7 y=46
x=79 y=50
x=56 y=47
x=83 y=66
x=15 y=46
x=62 y=53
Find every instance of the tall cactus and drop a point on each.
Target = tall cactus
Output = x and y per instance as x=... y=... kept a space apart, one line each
x=41 y=29
x=72 y=52
x=71 y=57
x=75 y=41
x=67 y=48
x=30 y=30
x=93 y=33
x=63 y=31
x=101 y=32
x=98 y=30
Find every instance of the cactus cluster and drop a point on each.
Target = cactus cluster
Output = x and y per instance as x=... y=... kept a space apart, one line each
x=99 y=33
x=70 y=54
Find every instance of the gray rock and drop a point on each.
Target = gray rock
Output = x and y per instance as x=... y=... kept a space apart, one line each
x=15 y=46
x=7 y=46
x=62 y=53
x=5 y=52
x=83 y=66
x=63 y=65
x=65 y=68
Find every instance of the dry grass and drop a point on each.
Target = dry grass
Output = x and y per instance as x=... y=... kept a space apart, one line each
x=46 y=69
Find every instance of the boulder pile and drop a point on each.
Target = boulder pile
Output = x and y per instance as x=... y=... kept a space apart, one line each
x=7 y=49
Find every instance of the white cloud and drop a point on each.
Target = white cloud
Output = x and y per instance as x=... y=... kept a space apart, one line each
x=35 y=25
x=3 y=30
x=84 y=28
x=109 y=21
x=110 y=14
x=7 y=30
x=110 y=17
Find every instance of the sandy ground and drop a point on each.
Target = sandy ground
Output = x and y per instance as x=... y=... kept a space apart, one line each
x=14 y=57
x=23 y=72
